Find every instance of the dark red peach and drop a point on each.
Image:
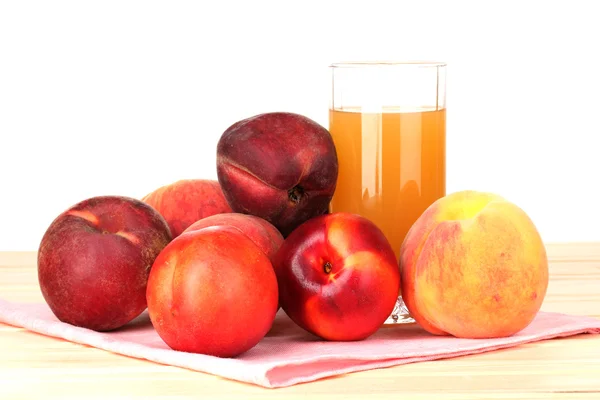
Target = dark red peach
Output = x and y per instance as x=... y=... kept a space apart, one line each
x=279 y=166
x=94 y=260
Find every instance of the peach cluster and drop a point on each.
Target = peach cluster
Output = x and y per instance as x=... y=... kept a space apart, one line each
x=213 y=261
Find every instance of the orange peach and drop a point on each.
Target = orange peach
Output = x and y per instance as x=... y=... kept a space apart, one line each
x=213 y=292
x=473 y=266
x=186 y=201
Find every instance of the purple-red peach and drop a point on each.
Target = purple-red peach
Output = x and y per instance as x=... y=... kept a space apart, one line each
x=279 y=166
x=94 y=260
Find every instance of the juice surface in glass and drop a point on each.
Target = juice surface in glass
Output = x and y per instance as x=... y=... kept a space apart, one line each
x=392 y=165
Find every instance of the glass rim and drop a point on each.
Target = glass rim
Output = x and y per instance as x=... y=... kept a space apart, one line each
x=365 y=64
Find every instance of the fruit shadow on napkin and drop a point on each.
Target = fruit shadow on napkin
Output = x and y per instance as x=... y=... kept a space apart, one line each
x=288 y=355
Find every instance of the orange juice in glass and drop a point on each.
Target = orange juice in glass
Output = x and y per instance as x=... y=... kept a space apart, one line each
x=388 y=122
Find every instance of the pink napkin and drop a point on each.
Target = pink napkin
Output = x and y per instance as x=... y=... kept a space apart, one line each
x=288 y=355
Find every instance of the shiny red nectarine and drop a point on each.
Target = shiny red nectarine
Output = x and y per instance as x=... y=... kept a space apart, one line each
x=338 y=277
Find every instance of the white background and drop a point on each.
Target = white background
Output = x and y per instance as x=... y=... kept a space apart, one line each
x=120 y=97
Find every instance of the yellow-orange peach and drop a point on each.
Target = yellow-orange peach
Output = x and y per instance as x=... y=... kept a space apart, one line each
x=473 y=266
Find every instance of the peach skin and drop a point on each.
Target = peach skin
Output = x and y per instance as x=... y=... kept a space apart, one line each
x=473 y=266
x=186 y=201
x=261 y=232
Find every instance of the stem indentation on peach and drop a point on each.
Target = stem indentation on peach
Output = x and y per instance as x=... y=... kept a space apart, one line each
x=327 y=267
x=295 y=194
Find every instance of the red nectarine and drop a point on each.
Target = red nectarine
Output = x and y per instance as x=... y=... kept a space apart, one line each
x=338 y=277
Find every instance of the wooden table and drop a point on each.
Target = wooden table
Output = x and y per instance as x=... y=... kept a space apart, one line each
x=34 y=366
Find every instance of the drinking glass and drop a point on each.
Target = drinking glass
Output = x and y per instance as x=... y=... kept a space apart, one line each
x=388 y=122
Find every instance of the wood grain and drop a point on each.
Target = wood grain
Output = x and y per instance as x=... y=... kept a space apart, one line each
x=34 y=366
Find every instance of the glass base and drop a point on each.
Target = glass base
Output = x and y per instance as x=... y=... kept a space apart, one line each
x=400 y=314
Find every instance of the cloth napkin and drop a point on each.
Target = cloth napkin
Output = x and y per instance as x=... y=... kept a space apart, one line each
x=288 y=355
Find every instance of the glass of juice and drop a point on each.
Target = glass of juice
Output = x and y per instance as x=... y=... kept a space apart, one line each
x=388 y=122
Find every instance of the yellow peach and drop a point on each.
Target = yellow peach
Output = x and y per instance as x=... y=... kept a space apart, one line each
x=473 y=266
